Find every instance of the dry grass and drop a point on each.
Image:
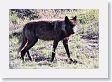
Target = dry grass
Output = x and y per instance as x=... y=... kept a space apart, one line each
x=83 y=46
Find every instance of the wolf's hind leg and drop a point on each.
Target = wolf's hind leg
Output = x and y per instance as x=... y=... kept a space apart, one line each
x=53 y=51
x=30 y=44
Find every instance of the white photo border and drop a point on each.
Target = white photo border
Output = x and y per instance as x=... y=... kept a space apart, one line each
x=101 y=72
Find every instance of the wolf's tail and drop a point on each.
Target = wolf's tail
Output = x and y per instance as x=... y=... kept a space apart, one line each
x=24 y=40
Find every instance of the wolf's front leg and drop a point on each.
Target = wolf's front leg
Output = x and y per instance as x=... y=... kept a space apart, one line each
x=65 y=43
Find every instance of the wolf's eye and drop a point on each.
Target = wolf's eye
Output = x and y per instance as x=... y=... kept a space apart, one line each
x=72 y=25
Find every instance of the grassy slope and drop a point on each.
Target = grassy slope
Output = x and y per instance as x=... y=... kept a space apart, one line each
x=85 y=51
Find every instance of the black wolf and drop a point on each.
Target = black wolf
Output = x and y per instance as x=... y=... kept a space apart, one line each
x=55 y=30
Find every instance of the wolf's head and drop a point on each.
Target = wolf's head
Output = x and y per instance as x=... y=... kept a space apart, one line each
x=70 y=25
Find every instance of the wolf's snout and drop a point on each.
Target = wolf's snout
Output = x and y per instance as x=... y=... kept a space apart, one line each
x=75 y=29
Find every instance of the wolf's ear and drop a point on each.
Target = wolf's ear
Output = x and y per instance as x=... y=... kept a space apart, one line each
x=74 y=18
x=66 y=20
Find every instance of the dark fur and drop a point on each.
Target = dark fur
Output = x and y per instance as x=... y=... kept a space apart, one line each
x=47 y=30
